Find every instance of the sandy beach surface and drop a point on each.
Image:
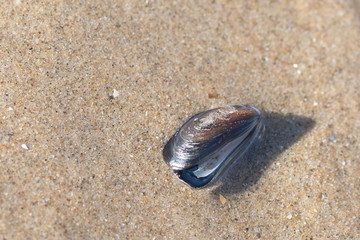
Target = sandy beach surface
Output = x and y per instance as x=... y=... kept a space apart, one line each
x=90 y=91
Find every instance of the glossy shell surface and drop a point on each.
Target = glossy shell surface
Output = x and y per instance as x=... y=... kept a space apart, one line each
x=207 y=144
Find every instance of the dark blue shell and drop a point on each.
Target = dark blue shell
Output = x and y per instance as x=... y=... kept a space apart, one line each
x=209 y=142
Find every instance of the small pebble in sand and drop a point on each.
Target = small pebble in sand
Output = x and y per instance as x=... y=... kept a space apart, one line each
x=213 y=95
x=222 y=199
x=332 y=138
x=24 y=146
x=114 y=94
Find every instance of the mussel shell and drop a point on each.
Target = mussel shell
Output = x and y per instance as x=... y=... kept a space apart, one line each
x=209 y=142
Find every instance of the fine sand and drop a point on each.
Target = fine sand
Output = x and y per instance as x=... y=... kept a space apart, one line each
x=92 y=90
